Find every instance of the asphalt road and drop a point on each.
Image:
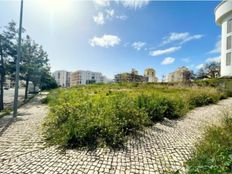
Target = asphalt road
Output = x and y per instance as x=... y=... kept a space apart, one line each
x=9 y=95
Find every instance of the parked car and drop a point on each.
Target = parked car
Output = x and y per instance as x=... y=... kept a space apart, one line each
x=32 y=89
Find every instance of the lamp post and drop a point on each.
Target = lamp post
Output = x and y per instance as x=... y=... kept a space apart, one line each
x=15 y=107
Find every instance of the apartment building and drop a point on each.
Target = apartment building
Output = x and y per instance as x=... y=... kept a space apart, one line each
x=178 y=75
x=62 y=78
x=85 y=77
x=150 y=74
x=223 y=17
x=129 y=77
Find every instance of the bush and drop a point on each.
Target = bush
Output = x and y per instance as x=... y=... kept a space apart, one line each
x=223 y=85
x=159 y=107
x=203 y=97
x=103 y=115
x=100 y=120
x=44 y=100
x=214 y=153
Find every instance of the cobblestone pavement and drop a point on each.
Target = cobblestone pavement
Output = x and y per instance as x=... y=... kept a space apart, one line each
x=159 y=149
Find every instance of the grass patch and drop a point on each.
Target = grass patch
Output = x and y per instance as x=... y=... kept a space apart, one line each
x=214 y=153
x=5 y=112
x=104 y=115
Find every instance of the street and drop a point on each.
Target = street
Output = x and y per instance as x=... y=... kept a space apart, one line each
x=9 y=96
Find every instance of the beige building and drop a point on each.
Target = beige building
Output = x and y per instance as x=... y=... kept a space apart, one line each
x=132 y=76
x=85 y=77
x=134 y=71
x=149 y=73
x=178 y=75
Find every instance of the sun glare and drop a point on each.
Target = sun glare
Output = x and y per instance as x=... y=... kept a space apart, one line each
x=57 y=5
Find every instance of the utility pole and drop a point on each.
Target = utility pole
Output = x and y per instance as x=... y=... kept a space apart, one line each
x=17 y=63
x=2 y=72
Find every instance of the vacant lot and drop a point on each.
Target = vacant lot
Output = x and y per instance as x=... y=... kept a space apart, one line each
x=104 y=115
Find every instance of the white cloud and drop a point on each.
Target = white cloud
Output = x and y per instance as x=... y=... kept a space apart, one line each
x=105 y=41
x=134 y=4
x=122 y=17
x=138 y=45
x=217 y=47
x=102 y=3
x=166 y=51
x=110 y=13
x=214 y=59
x=168 y=60
x=99 y=19
x=175 y=37
x=193 y=37
x=180 y=37
x=200 y=66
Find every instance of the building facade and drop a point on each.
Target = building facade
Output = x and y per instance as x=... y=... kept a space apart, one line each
x=223 y=17
x=85 y=77
x=133 y=76
x=149 y=73
x=62 y=78
x=178 y=75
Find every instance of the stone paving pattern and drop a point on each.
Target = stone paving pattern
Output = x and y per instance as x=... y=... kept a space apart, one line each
x=161 y=148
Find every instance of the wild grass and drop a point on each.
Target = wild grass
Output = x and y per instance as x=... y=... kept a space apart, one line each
x=213 y=154
x=104 y=115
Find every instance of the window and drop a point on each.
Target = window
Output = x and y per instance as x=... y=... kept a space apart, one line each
x=228 y=44
x=228 y=59
x=58 y=75
x=229 y=26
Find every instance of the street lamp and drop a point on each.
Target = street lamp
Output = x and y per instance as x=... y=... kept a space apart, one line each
x=15 y=107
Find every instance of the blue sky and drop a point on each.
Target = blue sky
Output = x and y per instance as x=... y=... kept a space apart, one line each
x=115 y=36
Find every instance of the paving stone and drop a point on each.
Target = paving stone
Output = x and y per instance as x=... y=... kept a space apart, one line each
x=161 y=148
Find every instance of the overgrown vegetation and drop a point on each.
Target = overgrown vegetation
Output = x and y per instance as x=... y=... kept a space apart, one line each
x=214 y=153
x=105 y=114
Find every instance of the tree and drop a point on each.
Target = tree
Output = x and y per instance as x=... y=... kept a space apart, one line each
x=201 y=74
x=188 y=75
x=27 y=64
x=213 y=69
x=47 y=81
x=210 y=70
x=34 y=59
x=8 y=53
x=33 y=63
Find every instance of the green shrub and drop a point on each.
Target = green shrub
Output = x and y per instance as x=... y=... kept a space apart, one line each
x=104 y=115
x=223 y=85
x=159 y=107
x=100 y=120
x=203 y=97
x=214 y=153
x=44 y=100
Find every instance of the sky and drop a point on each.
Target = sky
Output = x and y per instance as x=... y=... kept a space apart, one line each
x=115 y=36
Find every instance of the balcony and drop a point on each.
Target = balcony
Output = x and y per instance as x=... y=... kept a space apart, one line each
x=223 y=10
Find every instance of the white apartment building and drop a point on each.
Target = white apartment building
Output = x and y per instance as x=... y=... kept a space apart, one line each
x=85 y=77
x=62 y=78
x=223 y=17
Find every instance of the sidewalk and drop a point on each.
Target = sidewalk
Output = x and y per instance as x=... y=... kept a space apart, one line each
x=161 y=148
